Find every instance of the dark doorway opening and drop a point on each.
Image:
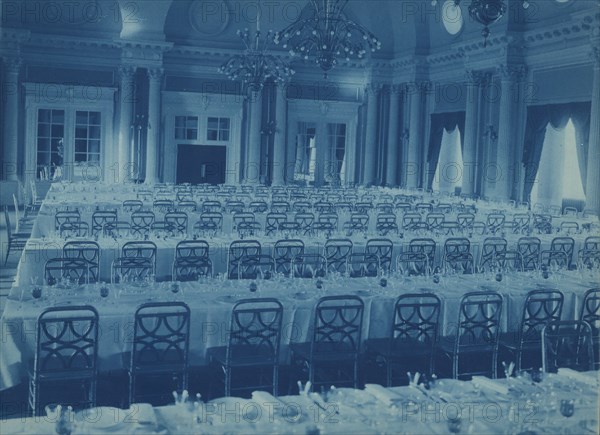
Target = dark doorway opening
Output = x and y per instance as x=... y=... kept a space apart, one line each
x=198 y=164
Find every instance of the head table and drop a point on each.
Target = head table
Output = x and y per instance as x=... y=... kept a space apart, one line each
x=211 y=301
x=563 y=403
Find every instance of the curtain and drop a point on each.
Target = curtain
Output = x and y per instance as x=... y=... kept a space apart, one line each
x=439 y=123
x=557 y=115
x=336 y=134
x=580 y=115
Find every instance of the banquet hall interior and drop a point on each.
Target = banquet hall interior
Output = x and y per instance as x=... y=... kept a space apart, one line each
x=300 y=216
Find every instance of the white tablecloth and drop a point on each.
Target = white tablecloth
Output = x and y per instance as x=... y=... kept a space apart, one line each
x=39 y=250
x=211 y=304
x=524 y=408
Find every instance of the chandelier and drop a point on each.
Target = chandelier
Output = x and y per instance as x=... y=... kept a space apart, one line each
x=327 y=35
x=254 y=67
x=486 y=12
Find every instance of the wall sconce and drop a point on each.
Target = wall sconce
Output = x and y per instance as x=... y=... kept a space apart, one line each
x=491 y=133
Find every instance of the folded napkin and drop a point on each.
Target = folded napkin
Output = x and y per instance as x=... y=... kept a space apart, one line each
x=586 y=378
x=144 y=414
x=491 y=384
x=267 y=400
x=382 y=394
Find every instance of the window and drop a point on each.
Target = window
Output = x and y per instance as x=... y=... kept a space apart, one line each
x=218 y=129
x=50 y=135
x=452 y=17
x=337 y=151
x=186 y=127
x=87 y=136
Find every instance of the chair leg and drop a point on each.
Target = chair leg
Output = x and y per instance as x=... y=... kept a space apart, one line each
x=227 y=381
x=7 y=252
x=131 y=388
x=388 y=365
x=92 y=393
x=455 y=365
x=276 y=380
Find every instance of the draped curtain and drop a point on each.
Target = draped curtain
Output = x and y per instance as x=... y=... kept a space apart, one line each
x=336 y=134
x=557 y=115
x=439 y=123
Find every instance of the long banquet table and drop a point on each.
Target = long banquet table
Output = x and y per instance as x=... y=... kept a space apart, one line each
x=481 y=406
x=211 y=302
x=38 y=250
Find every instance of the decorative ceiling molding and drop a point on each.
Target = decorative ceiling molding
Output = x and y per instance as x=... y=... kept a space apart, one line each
x=70 y=42
x=11 y=40
x=14 y=35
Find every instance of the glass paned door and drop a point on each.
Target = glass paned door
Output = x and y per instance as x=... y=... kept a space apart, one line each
x=50 y=142
x=306 y=152
x=336 y=153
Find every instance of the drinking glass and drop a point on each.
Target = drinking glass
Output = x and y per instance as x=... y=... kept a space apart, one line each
x=567 y=407
x=454 y=424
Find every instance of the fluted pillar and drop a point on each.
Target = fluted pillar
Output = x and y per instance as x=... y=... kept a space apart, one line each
x=412 y=165
x=154 y=88
x=12 y=67
x=252 y=171
x=126 y=74
x=505 y=170
x=469 y=172
x=279 y=138
x=372 y=92
x=391 y=174
x=593 y=161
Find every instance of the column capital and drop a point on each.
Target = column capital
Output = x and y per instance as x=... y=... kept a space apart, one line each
x=155 y=73
x=12 y=65
x=595 y=56
x=373 y=88
x=475 y=78
x=254 y=96
x=397 y=89
x=512 y=72
x=423 y=86
x=126 y=72
x=281 y=88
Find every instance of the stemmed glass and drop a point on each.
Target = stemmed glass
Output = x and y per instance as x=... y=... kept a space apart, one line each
x=567 y=407
x=454 y=424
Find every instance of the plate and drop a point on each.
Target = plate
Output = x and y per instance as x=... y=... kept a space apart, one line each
x=226 y=298
x=302 y=296
x=102 y=418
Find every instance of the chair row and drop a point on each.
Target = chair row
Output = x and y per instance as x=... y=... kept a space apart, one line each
x=161 y=342
x=80 y=260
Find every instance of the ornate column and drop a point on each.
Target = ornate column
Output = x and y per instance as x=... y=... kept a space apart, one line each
x=279 y=139
x=372 y=93
x=12 y=67
x=124 y=164
x=252 y=168
x=474 y=81
x=593 y=158
x=391 y=175
x=412 y=165
x=506 y=161
x=155 y=79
